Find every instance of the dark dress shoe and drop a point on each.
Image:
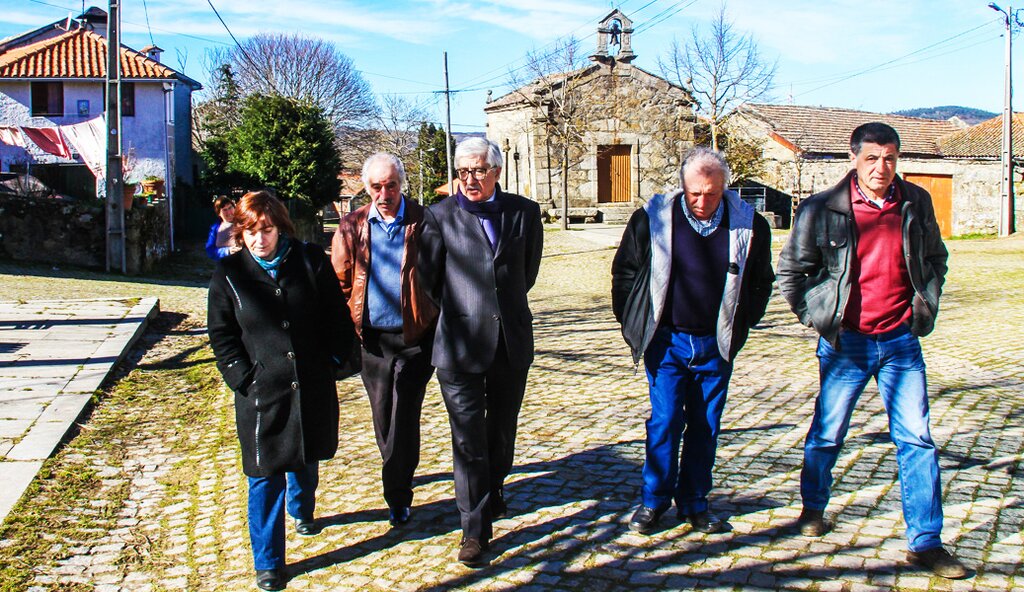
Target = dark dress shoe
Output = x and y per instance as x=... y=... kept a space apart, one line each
x=471 y=553
x=645 y=519
x=306 y=527
x=707 y=523
x=940 y=562
x=812 y=523
x=399 y=516
x=269 y=579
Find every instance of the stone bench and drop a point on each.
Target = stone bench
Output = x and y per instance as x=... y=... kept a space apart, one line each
x=575 y=214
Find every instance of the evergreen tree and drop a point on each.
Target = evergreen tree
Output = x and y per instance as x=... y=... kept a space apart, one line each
x=287 y=145
x=432 y=152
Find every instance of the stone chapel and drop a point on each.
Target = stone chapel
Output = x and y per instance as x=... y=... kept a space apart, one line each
x=616 y=130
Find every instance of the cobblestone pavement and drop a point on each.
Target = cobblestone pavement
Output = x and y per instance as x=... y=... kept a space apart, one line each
x=175 y=494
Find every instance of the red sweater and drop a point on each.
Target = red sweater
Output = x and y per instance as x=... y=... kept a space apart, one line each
x=880 y=289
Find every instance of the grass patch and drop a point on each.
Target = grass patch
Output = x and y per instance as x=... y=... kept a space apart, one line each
x=973 y=236
x=79 y=495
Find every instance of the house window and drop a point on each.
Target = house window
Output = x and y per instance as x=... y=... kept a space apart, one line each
x=127 y=99
x=47 y=99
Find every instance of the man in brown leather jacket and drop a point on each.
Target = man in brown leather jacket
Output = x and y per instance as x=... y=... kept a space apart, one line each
x=374 y=255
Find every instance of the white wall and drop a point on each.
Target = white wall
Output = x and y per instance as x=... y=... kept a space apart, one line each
x=142 y=133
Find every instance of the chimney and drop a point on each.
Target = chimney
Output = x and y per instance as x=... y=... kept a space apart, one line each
x=95 y=20
x=152 y=52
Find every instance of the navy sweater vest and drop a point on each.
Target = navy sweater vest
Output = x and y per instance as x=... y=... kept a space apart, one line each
x=699 y=266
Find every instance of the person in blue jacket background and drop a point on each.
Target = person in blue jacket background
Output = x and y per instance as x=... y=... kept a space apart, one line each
x=219 y=243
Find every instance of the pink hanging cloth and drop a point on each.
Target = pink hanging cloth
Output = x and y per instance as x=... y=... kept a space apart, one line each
x=49 y=140
x=89 y=140
x=12 y=135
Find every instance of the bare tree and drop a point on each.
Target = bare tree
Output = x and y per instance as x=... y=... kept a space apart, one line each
x=307 y=69
x=557 y=95
x=723 y=70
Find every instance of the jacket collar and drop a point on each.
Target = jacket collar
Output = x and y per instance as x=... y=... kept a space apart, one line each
x=840 y=200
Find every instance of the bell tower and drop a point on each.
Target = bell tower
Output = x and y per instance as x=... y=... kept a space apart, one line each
x=614 y=34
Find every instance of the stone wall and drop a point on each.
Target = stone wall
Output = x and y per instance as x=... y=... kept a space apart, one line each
x=62 y=232
x=625 y=106
x=976 y=186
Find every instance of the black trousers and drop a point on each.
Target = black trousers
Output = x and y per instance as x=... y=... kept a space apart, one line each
x=395 y=376
x=483 y=411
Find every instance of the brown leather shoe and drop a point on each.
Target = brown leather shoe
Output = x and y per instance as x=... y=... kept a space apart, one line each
x=812 y=523
x=471 y=553
x=940 y=562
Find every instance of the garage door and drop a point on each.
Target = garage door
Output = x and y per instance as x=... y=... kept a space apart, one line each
x=941 y=189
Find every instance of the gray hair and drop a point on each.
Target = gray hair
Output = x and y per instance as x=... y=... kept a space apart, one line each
x=477 y=146
x=383 y=158
x=705 y=159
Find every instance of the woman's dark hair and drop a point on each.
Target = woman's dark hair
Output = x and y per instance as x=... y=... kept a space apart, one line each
x=260 y=204
x=220 y=203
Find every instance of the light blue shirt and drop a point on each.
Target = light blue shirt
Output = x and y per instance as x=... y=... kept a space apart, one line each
x=375 y=217
x=703 y=227
x=384 y=281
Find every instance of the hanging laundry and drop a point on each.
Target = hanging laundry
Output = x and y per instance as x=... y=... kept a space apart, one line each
x=49 y=140
x=89 y=140
x=12 y=135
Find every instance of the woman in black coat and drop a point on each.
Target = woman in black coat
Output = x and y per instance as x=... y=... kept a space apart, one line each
x=278 y=324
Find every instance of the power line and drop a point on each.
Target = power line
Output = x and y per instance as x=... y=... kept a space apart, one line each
x=664 y=15
x=145 y=10
x=245 y=53
x=893 y=61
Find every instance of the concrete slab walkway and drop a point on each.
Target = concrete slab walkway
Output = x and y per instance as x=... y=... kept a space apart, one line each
x=53 y=356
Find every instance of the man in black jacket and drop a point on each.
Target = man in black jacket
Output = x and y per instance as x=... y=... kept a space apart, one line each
x=480 y=254
x=691 y=276
x=864 y=267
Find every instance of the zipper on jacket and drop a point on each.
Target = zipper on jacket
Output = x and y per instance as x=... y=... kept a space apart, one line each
x=256 y=435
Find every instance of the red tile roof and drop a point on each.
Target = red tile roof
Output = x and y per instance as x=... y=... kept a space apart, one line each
x=984 y=139
x=77 y=54
x=826 y=130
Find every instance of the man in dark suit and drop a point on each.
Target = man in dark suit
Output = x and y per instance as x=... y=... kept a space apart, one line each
x=479 y=256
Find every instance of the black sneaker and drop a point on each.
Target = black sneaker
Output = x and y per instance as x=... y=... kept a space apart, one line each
x=940 y=562
x=645 y=519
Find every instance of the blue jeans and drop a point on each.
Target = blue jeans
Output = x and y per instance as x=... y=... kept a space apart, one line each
x=266 y=511
x=688 y=382
x=894 y=360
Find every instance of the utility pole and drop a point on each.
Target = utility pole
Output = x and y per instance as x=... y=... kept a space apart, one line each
x=1006 y=198
x=115 y=183
x=448 y=129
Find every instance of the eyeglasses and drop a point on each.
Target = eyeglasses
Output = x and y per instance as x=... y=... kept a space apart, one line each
x=477 y=173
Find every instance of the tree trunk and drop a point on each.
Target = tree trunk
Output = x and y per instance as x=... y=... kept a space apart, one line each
x=565 y=187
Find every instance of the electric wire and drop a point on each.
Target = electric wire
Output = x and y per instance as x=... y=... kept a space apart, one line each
x=145 y=10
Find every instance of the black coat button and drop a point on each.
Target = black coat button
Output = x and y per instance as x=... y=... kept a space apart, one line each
x=295 y=386
x=284 y=324
x=290 y=355
x=277 y=292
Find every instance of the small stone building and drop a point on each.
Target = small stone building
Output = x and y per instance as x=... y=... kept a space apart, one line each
x=807 y=151
x=628 y=131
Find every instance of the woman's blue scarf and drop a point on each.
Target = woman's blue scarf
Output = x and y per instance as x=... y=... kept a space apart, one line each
x=283 y=245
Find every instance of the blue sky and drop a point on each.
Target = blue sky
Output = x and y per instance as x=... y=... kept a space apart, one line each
x=875 y=55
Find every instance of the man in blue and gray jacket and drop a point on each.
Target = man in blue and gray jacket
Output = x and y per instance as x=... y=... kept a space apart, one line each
x=691 y=276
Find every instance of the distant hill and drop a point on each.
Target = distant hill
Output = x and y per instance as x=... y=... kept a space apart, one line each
x=966 y=114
